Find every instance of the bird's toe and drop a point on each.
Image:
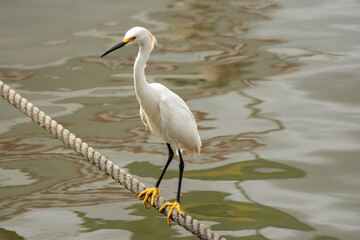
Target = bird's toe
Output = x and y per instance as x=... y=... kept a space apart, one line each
x=173 y=206
x=149 y=191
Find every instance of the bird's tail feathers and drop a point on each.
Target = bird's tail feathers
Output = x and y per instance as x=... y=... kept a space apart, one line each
x=192 y=151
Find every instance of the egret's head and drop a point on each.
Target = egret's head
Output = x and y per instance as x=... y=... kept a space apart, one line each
x=136 y=35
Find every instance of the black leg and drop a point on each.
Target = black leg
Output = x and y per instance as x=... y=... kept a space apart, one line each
x=171 y=155
x=181 y=170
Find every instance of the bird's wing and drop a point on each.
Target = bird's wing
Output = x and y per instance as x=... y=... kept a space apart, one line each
x=178 y=122
x=143 y=117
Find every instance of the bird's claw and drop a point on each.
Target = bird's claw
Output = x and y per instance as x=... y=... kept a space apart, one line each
x=154 y=191
x=173 y=205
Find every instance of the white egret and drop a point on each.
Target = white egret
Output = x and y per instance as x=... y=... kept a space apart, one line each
x=162 y=111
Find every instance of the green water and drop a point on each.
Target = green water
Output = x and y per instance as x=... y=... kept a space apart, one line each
x=273 y=85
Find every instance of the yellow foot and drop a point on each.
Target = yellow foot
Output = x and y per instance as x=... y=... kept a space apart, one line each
x=154 y=191
x=173 y=205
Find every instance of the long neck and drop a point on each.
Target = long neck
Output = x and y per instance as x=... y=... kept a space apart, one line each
x=140 y=82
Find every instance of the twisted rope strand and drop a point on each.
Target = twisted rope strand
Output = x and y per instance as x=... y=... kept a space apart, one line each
x=100 y=161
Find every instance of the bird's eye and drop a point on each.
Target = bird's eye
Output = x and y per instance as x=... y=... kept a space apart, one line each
x=133 y=38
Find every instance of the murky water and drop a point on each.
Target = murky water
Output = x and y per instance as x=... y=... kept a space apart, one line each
x=273 y=84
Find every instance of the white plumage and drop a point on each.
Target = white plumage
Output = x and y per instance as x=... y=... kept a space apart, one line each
x=161 y=110
x=167 y=116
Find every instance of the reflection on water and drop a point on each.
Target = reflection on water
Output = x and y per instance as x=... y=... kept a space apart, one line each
x=207 y=54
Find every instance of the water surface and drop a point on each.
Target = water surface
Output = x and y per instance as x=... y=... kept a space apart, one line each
x=273 y=86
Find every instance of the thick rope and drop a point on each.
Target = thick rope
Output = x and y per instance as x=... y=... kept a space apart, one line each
x=100 y=161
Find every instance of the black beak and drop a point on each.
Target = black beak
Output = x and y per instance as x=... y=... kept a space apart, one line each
x=117 y=46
